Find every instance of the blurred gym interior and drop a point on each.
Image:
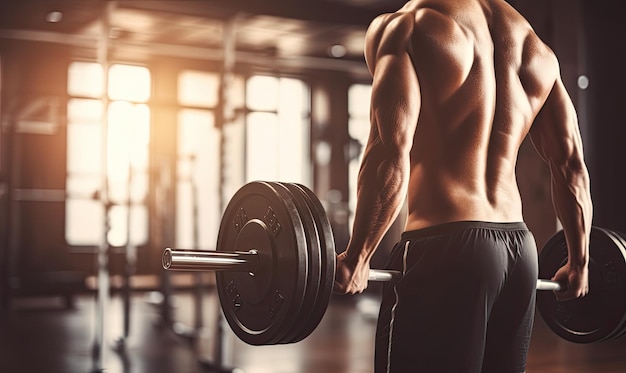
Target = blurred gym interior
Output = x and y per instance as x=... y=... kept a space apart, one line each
x=126 y=127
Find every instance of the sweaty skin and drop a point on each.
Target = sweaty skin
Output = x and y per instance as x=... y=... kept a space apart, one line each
x=457 y=86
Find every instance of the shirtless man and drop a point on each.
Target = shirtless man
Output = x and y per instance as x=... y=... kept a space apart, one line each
x=457 y=86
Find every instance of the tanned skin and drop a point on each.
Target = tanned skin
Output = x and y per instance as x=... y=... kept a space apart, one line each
x=457 y=86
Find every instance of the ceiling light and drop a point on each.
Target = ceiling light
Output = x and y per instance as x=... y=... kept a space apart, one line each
x=337 y=51
x=54 y=17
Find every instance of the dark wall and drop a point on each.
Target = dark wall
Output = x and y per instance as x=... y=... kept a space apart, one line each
x=605 y=35
x=588 y=37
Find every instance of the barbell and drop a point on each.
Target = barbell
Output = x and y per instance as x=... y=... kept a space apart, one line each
x=275 y=268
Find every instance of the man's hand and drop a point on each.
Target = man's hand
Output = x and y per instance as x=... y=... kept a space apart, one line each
x=576 y=282
x=350 y=277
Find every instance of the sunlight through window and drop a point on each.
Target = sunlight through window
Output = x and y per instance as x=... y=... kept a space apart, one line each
x=197 y=88
x=262 y=162
x=262 y=93
x=85 y=79
x=84 y=136
x=278 y=130
x=127 y=144
x=84 y=223
x=200 y=177
x=131 y=83
x=84 y=216
x=198 y=180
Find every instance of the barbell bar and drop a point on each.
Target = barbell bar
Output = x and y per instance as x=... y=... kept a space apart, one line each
x=199 y=260
x=275 y=268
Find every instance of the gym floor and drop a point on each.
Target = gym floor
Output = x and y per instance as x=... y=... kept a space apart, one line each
x=41 y=335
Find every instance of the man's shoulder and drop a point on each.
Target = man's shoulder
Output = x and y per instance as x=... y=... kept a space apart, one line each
x=425 y=17
x=390 y=23
x=399 y=29
x=388 y=33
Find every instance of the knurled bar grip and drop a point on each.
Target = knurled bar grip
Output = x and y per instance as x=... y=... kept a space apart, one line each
x=197 y=260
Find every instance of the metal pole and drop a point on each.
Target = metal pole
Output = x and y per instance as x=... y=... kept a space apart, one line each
x=103 y=247
x=223 y=348
x=130 y=254
x=198 y=280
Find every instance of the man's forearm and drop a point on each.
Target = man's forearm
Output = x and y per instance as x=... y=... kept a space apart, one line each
x=574 y=209
x=381 y=191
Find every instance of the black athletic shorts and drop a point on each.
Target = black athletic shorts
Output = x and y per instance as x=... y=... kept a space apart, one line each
x=465 y=302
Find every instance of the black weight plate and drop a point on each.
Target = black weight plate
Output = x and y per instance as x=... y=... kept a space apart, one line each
x=315 y=265
x=257 y=307
x=299 y=314
x=615 y=272
x=598 y=315
x=621 y=330
x=327 y=252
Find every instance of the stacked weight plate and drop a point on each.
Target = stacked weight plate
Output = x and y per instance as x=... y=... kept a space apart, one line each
x=321 y=259
x=285 y=298
x=601 y=315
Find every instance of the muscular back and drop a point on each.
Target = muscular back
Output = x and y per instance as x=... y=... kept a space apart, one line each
x=481 y=76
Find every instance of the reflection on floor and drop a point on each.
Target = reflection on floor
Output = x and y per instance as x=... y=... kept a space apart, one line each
x=38 y=336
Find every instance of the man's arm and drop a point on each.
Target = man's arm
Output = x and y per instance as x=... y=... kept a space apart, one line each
x=556 y=137
x=384 y=174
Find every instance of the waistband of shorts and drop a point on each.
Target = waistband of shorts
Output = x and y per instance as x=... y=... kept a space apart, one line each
x=456 y=226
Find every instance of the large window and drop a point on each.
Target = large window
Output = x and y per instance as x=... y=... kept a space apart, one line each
x=278 y=130
x=267 y=138
x=127 y=160
x=198 y=161
x=197 y=179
